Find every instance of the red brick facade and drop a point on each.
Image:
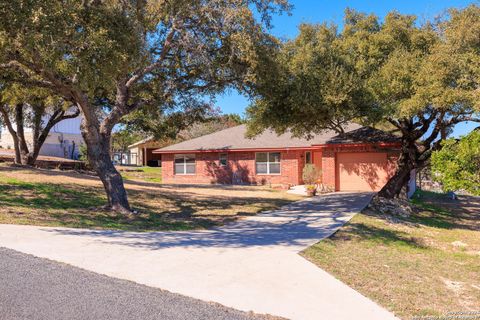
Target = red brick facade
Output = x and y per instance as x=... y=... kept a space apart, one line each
x=239 y=170
x=328 y=168
x=241 y=166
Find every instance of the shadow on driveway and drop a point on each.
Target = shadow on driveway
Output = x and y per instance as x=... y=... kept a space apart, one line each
x=294 y=226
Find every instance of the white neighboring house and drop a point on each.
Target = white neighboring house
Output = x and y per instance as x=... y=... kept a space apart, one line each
x=63 y=140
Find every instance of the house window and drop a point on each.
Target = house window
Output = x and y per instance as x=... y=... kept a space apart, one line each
x=267 y=162
x=223 y=158
x=308 y=157
x=184 y=164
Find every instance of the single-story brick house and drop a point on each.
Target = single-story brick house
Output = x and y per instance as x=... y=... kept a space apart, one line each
x=362 y=159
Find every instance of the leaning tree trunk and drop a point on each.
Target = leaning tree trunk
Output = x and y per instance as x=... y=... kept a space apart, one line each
x=18 y=157
x=395 y=187
x=398 y=184
x=22 y=142
x=13 y=133
x=98 y=151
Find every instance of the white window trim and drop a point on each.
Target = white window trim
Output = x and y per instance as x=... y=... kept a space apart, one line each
x=268 y=164
x=219 y=160
x=184 y=165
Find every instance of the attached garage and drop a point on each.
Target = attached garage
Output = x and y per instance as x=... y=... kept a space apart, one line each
x=362 y=171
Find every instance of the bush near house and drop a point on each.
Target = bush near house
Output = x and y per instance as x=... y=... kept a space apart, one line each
x=311 y=174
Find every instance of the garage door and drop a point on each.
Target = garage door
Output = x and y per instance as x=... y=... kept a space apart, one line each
x=365 y=171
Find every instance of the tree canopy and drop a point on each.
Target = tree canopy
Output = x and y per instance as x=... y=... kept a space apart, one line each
x=420 y=80
x=315 y=75
x=114 y=57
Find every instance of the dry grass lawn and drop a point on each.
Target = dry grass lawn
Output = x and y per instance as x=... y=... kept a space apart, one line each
x=427 y=264
x=66 y=198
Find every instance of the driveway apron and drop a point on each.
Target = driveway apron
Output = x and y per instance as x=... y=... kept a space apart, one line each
x=250 y=265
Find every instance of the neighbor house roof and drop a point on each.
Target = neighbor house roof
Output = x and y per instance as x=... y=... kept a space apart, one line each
x=235 y=139
x=148 y=139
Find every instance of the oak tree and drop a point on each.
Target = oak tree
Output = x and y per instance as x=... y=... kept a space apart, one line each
x=112 y=57
x=420 y=80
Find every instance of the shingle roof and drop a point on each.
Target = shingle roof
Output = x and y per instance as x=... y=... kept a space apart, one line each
x=365 y=135
x=234 y=138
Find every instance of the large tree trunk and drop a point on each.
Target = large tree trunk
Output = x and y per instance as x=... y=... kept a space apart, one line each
x=22 y=142
x=18 y=157
x=98 y=150
x=397 y=186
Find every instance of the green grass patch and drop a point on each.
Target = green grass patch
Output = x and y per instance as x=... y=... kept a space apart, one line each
x=18 y=193
x=57 y=198
x=149 y=174
x=71 y=206
x=426 y=264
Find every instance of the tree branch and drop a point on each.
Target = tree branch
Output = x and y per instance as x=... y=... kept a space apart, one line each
x=436 y=130
x=166 y=48
x=25 y=77
x=7 y=120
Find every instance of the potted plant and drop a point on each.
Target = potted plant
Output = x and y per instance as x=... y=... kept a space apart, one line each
x=310 y=177
x=311 y=190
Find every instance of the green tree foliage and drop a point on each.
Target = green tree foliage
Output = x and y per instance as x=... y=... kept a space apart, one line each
x=315 y=85
x=112 y=58
x=124 y=137
x=457 y=164
x=420 y=80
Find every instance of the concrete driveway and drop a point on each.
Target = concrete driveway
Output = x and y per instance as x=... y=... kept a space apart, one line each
x=251 y=265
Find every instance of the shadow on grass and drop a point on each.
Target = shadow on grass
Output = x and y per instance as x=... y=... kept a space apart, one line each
x=166 y=209
x=359 y=231
x=437 y=210
x=440 y=211
x=47 y=196
x=62 y=205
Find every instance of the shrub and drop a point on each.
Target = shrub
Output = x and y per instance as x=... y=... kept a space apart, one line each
x=457 y=164
x=83 y=152
x=311 y=174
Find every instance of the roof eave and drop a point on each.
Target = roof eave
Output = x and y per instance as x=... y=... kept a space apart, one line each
x=358 y=144
x=312 y=147
x=234 y=150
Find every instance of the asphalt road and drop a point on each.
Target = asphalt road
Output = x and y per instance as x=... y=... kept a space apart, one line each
x=34 y=288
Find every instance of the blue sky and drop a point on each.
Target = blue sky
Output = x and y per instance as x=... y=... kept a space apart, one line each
x=318 y=11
